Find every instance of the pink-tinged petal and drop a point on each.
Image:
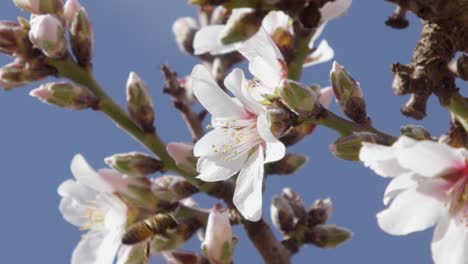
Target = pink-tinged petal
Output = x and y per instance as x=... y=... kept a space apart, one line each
x=86 y=175
x=264 y=58
x=413 y=210
x=275 y=20
x=218 y=234
x=274 y=149
x=211 y=170
x=427 y=158
x=323 y=53
x=398 y=185
x=450 y=242
x=87 y=249
x=208 y=40
x=248 y=193
x=212 y=97
x=326 y=96
x=381 y=159
x=332 y=10
x=236 y=83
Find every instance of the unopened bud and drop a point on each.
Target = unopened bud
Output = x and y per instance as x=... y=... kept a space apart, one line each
x=40 y=6
x=295 y=202
x=66 y=95
x=81 y=36
x=301 y=100
x=134 y=164
x=241 y=26
x=184 y=29
x=14 y=39
x=140 y=104
x=327 y=236
x=21 y=72
x=348 y=94
x=282 y=214
x=172 y=188
x=287 y=165
x=47 y=34
x=415 y=132
x=70 y=9
x=182 y=154
x=320 y=212
x=348 y=147
x=183 y=257
x=218 y=244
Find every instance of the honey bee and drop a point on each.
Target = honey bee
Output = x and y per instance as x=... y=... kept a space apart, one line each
x=158 y=224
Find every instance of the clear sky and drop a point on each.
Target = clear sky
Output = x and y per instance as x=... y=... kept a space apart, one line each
x=37 y=141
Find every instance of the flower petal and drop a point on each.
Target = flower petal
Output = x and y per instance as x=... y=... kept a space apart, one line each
x=248 y=194
x=398 y=185
x=211 y=142
x=210 y=95
x=275 y=20
x=332 y=10
x=208 y=40
x=450 y=242
x=413 y=210
x=264 y=58
x=218 y=170
x=236 y=83
x=109 y=246
x=381 y=159
x=427 y=158
x=323 y=53
x=87 y=250
x=274 y=149
x=326 y=95
x=86 y=175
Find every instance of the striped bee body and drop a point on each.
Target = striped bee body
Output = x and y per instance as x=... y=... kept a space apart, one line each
x=158 y=224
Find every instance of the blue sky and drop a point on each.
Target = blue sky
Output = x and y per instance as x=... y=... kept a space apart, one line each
x=37 y=141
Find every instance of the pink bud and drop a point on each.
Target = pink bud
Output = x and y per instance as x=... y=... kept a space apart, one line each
x=218 y=236
x=70 y=9
x=32 y=6
x=326 y=95
x=40 y=6
x=42 y=93
x=47 y=33
x=182 y=153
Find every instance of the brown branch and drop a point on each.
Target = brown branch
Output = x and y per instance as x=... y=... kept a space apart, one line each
x=181 y=102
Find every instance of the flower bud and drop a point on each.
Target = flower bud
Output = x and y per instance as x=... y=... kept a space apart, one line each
x=81 y=35
x=348 y=94
x=70 y=9
x=134 y=164
x=241 y=26
x=172 y=188
x=218 y=245
x=47 y=33
x=320 y=212
x=415 y=132
x=183 y=257
x=182 y=154
x=20 y=72
x=348 y=147
x=140 y=104
x=287 y=165
x=14 y=39
x=301 y=100
x=282 y=214
x=184 y=29
x=295 y=202
x=66 y=95
x=327 y=236
x=40 y=6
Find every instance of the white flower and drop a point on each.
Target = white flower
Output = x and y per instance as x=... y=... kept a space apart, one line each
x=429 y=187
x=88 y=203
x=208 y=38
x=241 y=140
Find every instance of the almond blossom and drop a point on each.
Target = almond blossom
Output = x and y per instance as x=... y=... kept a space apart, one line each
x=429 y=187
x=89 y=203
x=241 y=140
x=273 y=21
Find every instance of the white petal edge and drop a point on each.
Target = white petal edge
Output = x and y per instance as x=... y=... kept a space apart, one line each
x=86 y=175
x=236 y=83
x=211 y=171
x=274 y=148
x=248 y=193
x=208 y=40
x=275 y=20
x=322 y=54
x=332 y=10
x=381 y=159
x=450 y=242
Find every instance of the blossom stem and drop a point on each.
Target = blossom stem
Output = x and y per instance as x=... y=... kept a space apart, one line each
x=458 y=106
x=295 y=66
x=68 y=68
x=345 y=127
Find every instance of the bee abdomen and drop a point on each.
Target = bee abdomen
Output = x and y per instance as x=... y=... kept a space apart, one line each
x=157 y=224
